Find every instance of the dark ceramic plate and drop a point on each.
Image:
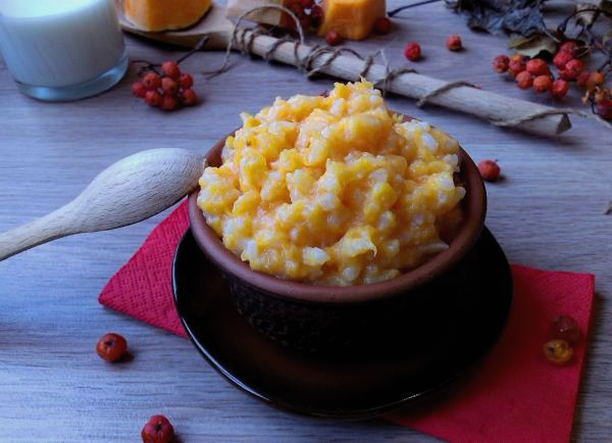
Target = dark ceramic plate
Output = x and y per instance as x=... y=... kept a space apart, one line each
x=352 y=386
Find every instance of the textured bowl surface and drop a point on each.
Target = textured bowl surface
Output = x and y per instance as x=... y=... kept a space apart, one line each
x=312 y=317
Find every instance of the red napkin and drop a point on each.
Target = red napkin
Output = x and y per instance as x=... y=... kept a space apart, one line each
x=515 y=396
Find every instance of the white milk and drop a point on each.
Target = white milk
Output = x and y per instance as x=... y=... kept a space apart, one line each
x=57 y=43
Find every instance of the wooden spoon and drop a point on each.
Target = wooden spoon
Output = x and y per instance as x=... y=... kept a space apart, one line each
x=133 y=189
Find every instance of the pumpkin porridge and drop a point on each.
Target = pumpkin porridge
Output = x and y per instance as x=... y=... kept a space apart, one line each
x=333 y=190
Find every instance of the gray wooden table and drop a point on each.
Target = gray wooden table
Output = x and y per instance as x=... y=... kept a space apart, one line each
x=547 y=213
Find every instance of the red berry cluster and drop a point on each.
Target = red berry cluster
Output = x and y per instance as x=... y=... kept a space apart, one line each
x=169 y=91
x=536 y=73
x=565 y=333
x=308 y=12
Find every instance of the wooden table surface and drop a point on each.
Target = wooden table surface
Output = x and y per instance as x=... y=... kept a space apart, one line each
x=548 y=213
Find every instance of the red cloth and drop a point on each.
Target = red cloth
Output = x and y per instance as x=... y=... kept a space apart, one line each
x=515 y=396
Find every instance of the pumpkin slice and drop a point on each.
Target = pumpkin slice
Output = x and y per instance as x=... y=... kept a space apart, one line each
x=352 y=19
x=164 y=15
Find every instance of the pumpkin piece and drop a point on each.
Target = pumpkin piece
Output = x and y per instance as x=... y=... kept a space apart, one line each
x=352 y=19
x=164 y=15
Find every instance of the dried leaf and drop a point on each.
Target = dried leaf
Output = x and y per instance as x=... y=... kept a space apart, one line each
x=537 y=45
x=496 y=16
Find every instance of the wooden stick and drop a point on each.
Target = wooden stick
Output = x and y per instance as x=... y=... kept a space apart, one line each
x=470 y=100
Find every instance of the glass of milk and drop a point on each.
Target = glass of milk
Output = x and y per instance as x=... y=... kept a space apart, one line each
x=60 y=50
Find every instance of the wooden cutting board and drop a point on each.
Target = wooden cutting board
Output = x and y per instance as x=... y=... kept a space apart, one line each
x=214 y=24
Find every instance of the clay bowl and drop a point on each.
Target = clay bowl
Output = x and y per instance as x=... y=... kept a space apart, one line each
x=340 y=320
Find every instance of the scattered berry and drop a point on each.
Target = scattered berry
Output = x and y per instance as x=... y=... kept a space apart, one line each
x=412 y=51
x=559 y=88
x=595 y=79
x=604 y=109
x=111 y=347
x=537 y=66
x=566 y=328
x=558 y=351
x=569 y=46
x=453 y=43
x=573 y=69
x=139 y=89
x=562 y=58
x=171 y=69
x=189 y=97
x=169 y=86
x=542 y=83
x=500 y=63
x=382 y=26
x=151 y=81
x=169 y=102
x=153 y=98
x=489 y=170
x=333 y=38
x=186 y=81
x=157 y=430
x=524 y=80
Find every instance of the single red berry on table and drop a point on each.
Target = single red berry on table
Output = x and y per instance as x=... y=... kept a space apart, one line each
x=566 y=328
x=153 y=98
x=189 y=97
x=307 y=4
x=171 y=69
x=333 y=38
x=583 y=79
x=383 y=25
x=157 y=430
x=186 y=80
x=139 y=89
x=151 y=80
x=537 y=66
x=542 y=83
x=111 y=347
x=573 y=69
x=169 y=102
x=453 y=43
x=604 y=109
x=595 y=79
x=524 y=80
x=515 y=67
x=562 y=58
x=558 y=351
x=412 y=51
x=169 y=86
x=500 y=63
x=489 y=170
x=559 y=88
x=569 y=46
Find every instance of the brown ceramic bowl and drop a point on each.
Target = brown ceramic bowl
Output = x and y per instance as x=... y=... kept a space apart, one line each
x=326 y=318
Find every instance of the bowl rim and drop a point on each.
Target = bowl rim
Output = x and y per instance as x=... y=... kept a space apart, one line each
x=474 y=205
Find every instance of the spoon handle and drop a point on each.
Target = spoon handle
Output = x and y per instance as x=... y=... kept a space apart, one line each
x=44 y=229
x=130 y=190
